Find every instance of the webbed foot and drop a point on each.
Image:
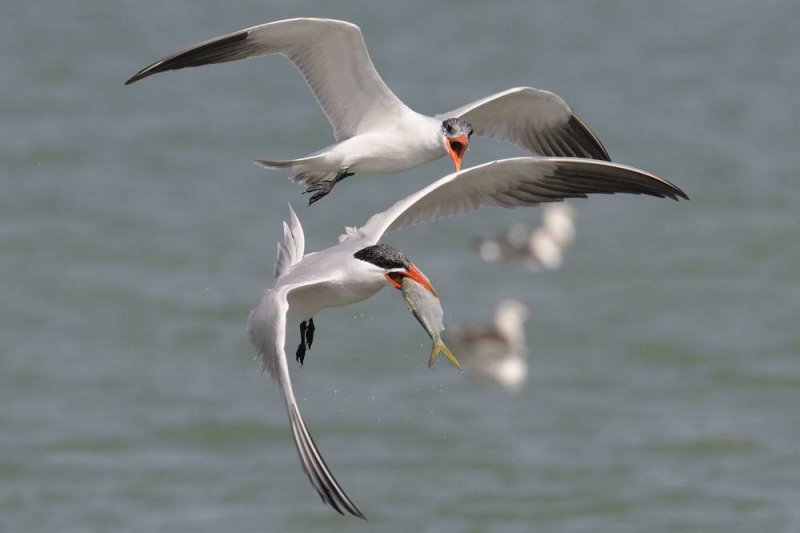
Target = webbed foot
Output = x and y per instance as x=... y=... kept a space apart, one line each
x=320 y=191
x=322 y=188
x=301 y=350
x=310 y=333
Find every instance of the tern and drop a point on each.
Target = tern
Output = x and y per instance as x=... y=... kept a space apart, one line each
x=360 y=265
x=375 y=132
x=498 y=351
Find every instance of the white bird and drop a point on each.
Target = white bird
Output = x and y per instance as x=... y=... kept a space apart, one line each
x=537 y=247
x=375 y=132
x=359 y=265
x=497 y=352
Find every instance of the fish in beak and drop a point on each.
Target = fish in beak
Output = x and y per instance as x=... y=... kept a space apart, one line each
x=427 y=309
x=457 y=146
x=395 y=279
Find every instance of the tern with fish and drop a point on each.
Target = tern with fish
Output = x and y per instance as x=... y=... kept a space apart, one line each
x=360 y=265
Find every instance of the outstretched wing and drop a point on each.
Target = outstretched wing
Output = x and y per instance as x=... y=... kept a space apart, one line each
x=517 y=182
x=331 y=55
x=537 y=120
x=267 y=330
x=291 y=250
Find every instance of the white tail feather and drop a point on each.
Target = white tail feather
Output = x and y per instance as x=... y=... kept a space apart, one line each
x=304 y=171
x=291 y=250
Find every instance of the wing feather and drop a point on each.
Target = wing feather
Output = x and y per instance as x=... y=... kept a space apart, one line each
x=330 y=54
x=517 y=182
x=266 y=328
x=537 y=120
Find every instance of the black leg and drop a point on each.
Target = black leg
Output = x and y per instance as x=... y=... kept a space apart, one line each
x=301 y=350
x=322 y=188
x=310 y=333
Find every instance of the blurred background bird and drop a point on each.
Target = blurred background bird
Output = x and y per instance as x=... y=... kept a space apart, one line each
x=496 y=352
x=538 y=247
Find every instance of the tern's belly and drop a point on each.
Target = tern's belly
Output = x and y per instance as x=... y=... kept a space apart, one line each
x=305 y=303
x=390 y=163
x=385 y=153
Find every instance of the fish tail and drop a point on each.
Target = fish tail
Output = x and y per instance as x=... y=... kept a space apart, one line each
x=440 y=347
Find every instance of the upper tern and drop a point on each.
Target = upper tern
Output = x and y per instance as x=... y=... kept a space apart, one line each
x=359 y=265
x=375 y=132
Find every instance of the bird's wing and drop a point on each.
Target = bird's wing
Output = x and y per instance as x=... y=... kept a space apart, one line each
x=267 y=330
x=331 y=55
x=517 y=182
x=537 y=120
x=291 y=250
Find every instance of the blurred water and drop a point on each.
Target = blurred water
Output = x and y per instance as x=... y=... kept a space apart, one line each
x=136 y=235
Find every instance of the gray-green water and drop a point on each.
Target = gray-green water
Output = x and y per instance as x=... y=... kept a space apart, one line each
x=135 y=236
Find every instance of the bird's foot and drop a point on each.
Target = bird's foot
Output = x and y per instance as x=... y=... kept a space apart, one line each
x=301 y=353
x=310 y=333
x=301 y=349
x=320 y=190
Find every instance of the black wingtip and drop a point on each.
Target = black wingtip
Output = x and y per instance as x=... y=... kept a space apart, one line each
x=676 y=193
x=217 y=50
x=587 y=139
x=590 y=176
x=136 y=77
x=158 y=66
x=146 y=71
x=317 y=471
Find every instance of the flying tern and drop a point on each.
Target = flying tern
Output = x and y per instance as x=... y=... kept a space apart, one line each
x=375 y=132
x=360 y=265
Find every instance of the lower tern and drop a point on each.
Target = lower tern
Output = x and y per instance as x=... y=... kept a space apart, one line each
x=360 y=265
x=375 y=132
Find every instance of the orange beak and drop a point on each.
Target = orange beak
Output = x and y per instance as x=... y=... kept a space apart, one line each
x=395 y=279
x=457 y=147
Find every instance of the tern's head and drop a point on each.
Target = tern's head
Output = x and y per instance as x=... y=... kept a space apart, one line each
x=393 y=265
x=456 y=133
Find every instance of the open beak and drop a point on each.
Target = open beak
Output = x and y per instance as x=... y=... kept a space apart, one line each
x=457 y=147
x=395 y=279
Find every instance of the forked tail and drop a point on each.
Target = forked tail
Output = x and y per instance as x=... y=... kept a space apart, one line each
x=440 y=347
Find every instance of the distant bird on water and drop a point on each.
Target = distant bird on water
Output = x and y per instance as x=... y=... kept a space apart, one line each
x=375 y=132
x=540 y=247
x=497 y=352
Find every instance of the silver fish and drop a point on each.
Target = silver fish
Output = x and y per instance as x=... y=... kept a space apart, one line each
x=428 y=311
